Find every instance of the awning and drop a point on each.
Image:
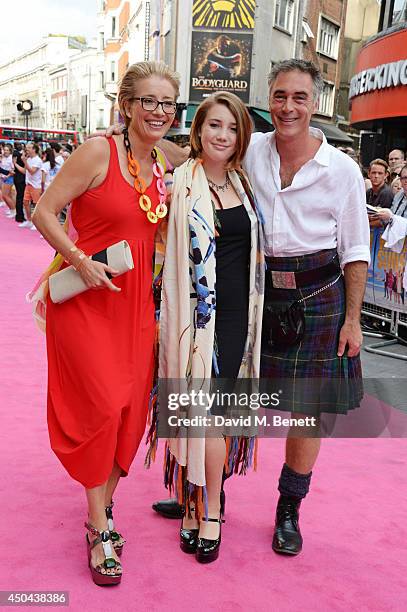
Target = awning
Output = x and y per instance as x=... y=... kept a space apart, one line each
x=263 y=114
x=333 y=133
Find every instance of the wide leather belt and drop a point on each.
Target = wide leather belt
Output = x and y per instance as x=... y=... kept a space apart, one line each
x=281 y=279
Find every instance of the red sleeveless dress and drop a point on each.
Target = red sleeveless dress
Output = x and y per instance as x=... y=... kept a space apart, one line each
x=100 y=343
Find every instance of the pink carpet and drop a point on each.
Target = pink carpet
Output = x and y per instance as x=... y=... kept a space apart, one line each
x=354 y=521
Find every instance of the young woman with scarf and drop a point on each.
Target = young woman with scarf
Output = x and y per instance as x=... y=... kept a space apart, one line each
x=211 y=310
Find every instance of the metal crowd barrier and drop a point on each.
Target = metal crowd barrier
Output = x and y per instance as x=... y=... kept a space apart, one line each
x=395 y=319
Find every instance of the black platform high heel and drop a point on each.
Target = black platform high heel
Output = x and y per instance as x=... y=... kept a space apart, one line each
x=188 y=538
x=208 y=550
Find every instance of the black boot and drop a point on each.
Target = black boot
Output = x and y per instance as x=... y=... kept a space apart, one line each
x=170 y=508
x=287 y=537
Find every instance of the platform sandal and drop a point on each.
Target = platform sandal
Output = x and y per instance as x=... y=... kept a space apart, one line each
x=98 y=577
x=117 y=539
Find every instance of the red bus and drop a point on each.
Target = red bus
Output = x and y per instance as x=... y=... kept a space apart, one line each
x=17 y=133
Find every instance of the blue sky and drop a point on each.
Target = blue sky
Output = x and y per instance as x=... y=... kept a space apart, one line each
x=24 y=23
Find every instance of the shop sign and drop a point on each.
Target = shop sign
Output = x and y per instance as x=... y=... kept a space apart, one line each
x=383 y=76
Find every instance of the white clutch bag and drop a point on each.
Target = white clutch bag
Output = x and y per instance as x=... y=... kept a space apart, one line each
x=68 y=283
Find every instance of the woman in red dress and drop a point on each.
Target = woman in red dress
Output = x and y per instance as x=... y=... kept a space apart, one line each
x=100 y=343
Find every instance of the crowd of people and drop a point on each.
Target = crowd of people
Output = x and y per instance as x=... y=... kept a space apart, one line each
x=386 y=185
x=26 y=170
x=386 y=197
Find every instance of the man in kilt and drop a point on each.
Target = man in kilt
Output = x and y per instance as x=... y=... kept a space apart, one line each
x=312 y=198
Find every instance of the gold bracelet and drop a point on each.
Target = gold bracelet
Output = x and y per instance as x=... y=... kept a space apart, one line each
x=79 y=254
x=72 y=250
x=82 y=259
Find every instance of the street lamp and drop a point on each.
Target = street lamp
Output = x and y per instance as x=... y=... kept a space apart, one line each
x=25 y=107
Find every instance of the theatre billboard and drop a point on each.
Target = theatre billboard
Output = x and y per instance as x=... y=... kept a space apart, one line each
x=220 y=62
x=223 y=14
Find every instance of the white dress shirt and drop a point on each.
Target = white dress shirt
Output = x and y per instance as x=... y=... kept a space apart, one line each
x=323 y=208
x=399 y=204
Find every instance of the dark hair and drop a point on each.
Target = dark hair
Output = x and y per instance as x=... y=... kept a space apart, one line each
x=302 y=66
x=57 y=147
x=34 y=146
x=50 y=156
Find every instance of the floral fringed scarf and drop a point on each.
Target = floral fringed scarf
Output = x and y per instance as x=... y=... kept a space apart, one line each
x=187 y=325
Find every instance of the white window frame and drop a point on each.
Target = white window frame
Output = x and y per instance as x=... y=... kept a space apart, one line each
x=328 y=112
x=288 y=15
x=325 y=49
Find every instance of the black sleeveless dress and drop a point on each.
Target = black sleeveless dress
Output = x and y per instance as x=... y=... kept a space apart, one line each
x=232 y=288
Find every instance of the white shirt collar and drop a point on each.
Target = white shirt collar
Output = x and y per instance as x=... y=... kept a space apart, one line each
x=322 y=156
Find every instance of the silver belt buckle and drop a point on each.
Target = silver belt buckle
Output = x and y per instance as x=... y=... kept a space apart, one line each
x=283 y=280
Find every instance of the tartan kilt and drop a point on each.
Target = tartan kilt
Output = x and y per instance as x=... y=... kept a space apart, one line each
x=312 y=378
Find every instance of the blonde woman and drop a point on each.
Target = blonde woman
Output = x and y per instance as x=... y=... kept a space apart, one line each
x=100 y=343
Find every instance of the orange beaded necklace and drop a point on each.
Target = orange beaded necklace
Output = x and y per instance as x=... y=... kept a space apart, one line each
x=141 y=187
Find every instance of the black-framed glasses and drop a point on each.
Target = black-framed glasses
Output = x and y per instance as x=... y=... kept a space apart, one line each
x=151 y=104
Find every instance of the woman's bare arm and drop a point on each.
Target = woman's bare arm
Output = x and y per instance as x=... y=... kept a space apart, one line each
x=85 y=169
x=175 y=154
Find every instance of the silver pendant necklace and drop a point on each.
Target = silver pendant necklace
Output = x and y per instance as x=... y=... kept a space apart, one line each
x=217 y=187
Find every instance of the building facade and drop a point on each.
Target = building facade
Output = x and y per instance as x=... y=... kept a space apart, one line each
x=362 y=20
x=73 y=93
x=27 y=77
x=123 y=39
x=60 y=76
x=326 y=20
x=189 y=36
x=228 y=44
x=378 y=88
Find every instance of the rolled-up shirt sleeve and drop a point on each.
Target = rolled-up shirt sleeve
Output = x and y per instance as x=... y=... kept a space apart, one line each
x=353 y=234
